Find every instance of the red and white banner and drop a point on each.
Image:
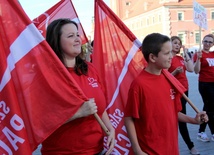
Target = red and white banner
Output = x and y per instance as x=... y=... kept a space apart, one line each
x=63 y=9
x=119 y=60
x=37 y=94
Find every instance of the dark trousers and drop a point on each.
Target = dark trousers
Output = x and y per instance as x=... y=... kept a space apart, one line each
x=206 y=90
x=183 y=126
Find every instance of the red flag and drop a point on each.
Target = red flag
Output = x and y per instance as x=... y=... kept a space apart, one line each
x=37 y=94
x=178 y=86
x=63 y=9
x=119 y=60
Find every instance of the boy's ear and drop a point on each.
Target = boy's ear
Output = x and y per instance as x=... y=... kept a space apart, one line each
x=152 y=57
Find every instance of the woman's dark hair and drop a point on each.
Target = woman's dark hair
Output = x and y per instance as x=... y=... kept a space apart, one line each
x=53 y=38
x=153 y=43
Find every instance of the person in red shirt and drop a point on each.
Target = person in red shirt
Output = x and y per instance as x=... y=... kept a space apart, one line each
x=153 y=106
x=204 y=66
x=81 y=134
x=178 y=68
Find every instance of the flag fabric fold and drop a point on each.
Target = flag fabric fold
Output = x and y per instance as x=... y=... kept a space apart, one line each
x=178 y=86
x=118 y=59
x=37 y=94
x=63 y=9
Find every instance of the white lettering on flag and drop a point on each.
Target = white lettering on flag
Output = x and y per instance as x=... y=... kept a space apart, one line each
x=132 y=52
x=6 y=148
x=25 y=42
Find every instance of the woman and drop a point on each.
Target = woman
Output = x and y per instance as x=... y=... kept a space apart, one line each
x=178 y=68
x=81 y=134
x=204 y=65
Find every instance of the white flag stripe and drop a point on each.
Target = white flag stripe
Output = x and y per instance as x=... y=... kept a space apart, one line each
x=27 y=40
x=132 y=52
x=76 y=20
x=47 y=20
x=102 y=15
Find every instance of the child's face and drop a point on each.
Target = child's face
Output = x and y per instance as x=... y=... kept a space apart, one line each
x=163 y=61
x=176 y=45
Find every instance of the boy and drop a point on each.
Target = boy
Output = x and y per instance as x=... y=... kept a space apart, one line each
x=152 y=111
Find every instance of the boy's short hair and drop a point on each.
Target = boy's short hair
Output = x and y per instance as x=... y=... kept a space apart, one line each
x=153 y=43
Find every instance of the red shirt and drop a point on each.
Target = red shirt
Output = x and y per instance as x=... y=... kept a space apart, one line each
x=153 y=104
x=206 y=73
x=178 y=61
x=83 y=135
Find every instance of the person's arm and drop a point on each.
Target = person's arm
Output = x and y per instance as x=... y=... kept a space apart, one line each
x=188 y=63
x=177 y=70
x=129 y=123
x=111 y=138
x=200 y=118
x=197 y=66
x=86 y=109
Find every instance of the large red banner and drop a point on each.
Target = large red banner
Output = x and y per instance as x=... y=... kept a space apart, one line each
x=63 y=9
x=119 y=60
x=37 y=94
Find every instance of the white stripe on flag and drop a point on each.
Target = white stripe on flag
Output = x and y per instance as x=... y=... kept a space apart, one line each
x=76 y=20
x=47 y=20
x=102 y=15
x=132 y=52
x=26 y=41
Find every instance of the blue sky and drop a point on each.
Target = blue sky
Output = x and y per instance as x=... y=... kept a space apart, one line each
x=84 y=9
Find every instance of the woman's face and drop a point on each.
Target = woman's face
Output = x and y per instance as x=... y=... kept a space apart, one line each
x=176 y=46
x=207 y=43
x=70 y=41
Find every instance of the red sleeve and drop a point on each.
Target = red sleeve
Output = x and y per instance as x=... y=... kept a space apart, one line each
x=133 y=104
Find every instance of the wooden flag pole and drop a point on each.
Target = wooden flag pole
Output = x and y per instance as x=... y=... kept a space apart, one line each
x=199 y=38
x=102 y=124
x=99 y=120
x=190 y=103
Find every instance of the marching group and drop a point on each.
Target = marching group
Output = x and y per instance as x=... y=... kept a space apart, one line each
x=151 y=114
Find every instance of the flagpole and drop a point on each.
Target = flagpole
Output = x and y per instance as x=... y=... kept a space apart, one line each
x=99 y=120
x=102 y=124
x=199 y=38
x=190 y=103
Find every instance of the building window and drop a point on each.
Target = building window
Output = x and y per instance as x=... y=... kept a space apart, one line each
x=182 y=36
x=133 y=26
x=128 y=3
x=159 y=18
x=197 y=38
x=147 y=20
x=212 y=15
x=180 y=16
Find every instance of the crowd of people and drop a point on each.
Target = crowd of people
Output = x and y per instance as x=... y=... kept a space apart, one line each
x=152 y=114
